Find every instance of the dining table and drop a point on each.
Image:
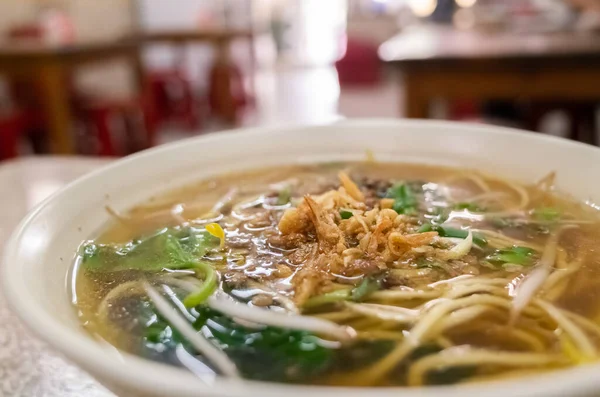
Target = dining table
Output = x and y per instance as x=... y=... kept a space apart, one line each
x=48 y=67
x=28 y=366
x=442 y=62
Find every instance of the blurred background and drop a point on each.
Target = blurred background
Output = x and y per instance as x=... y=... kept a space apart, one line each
x=110 y=77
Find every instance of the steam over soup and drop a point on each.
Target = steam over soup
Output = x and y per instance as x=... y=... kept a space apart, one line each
x=356 y=274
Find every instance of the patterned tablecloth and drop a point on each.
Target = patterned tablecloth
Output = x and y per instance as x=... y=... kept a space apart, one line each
x=28 y=367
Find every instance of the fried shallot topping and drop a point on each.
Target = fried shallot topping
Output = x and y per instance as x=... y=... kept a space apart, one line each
x=327 y=246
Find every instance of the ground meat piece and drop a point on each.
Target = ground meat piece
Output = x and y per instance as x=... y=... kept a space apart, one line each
x=364 y=266
x=261 y=219
x=470 y=259
x=235 y=280
x=289 y=241
x=283 y=271
x=378 y=186
x=371 y=199
x=374 y=190
x=262 y=300
x=412 y=277
x=462 y=267
x=300 y=255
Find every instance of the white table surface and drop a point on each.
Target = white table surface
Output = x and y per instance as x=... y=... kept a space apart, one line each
x=28 y=367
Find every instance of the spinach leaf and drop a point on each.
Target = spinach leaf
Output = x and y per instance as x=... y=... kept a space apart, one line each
x=268 y=353
x=173 y=248
x=405 y=201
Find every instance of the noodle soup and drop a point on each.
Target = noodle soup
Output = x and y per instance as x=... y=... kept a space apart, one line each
x=353 y=274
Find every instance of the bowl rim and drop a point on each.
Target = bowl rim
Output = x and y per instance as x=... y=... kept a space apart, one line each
x=146 y=374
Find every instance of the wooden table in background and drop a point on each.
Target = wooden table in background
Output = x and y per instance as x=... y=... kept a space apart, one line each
x=451 y=64
x=49 y=66
x=219 y=37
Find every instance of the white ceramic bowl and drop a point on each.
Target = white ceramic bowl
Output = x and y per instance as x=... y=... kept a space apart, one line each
x=39 y=255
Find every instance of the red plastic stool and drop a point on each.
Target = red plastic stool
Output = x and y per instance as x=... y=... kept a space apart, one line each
x=227 y=95
x=11 y=129
x=463 y=110
x=100 y=118
x=174 y=99
x=360 y=64
x=13 y=126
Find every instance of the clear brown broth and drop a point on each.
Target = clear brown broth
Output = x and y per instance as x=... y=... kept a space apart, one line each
x=490 y=331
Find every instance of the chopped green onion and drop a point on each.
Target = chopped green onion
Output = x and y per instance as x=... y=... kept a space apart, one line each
x=284 y=196
x=445 y=231
x=208 y=286
x=345 y=214
x=518 y=255
x=426 y=227
x=440 y=215
x=422 y=263
x=405 y=201
x=546 y=214
x=330 y=297
x=367 y=286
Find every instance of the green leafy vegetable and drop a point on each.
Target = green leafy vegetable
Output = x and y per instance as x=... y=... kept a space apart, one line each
x=426 y=227
x=330 y=297
x=439 y=215
x=546 y=214
x=166 y=249
x=405 y=201
x=422 y=263
x=518 y=255
x=366 y=287
x=268 y=353
x=345 y=214
x=446 y=231
x=284 y=196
